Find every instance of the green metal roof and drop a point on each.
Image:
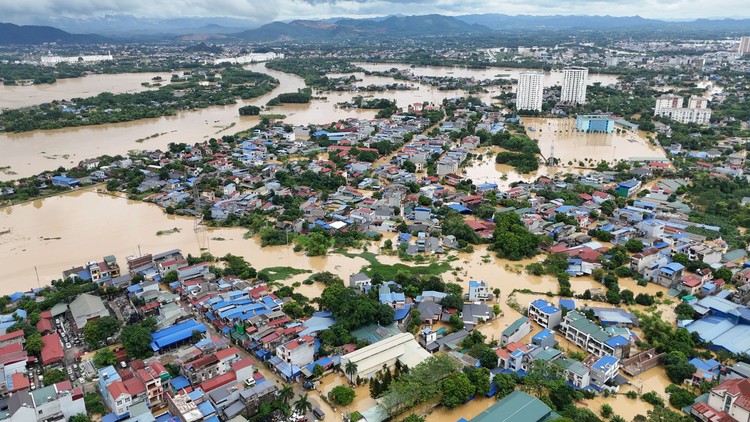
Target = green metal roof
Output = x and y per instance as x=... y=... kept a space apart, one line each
x=515 y=325
x=516 y=407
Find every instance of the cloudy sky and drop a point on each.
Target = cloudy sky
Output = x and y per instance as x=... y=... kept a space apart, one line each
x=263 y=11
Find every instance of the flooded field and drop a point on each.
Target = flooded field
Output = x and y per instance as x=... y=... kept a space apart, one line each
x=61 y=232
x=559 y=138
x=65 y=89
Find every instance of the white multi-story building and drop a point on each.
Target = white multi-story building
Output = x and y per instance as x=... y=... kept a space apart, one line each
x=574 y=85
x=300 y=351
x=545 y=313
x=672 y=106
x=530 y=91
x=745 y=46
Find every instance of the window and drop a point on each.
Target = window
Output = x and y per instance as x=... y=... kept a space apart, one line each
x=727 y=402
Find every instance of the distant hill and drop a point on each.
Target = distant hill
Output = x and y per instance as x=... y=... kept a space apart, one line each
x=361 y=28
x=30 y=34
x=528 y=22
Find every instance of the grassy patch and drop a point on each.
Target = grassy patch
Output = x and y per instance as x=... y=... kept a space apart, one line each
x=282 y=273
x=388 y=272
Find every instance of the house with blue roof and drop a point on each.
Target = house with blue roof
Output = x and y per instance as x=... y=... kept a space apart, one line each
x=603 y=370
x=669 y=274
x=175 y=334
x=545 y=313
x=705 y=371
x=628 y=188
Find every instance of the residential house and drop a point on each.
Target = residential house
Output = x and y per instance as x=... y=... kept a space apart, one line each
x=478 y=290
x=299 y=351
x=545 y=313
x=728 y=401
x=360 y=281
x=519 y=329
x=592 y=338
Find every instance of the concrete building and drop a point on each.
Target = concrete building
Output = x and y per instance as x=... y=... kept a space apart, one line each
x=595 y=123
x=545 y=313
x=52 y=403
x=360 y=281
x=478 y=290
x=592 y=338
x=603 y=370
x=401 y=347
x=744 y=46
x=300 y=351
x=730 y=400
x=519 y=329
x=672 y=106
x=574 y=85
x=530 y=91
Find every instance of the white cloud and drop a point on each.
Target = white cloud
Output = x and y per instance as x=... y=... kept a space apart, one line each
x=264 y=11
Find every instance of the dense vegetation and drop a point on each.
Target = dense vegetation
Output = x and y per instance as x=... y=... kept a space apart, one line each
x=313 y=70
x=301 y=97
x=112 y=108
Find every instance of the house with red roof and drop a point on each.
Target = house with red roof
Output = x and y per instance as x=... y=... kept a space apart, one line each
x=299 y=351
x=10 y=338
x=52 y=349
x=727 y=402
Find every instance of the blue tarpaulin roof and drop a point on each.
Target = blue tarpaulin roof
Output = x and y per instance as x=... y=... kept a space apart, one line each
x=179 y=382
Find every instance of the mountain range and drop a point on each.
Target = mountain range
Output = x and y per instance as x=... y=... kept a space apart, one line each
x=34 y=34
x=125 y=27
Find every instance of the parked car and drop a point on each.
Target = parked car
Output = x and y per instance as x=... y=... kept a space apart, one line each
x=318 y=413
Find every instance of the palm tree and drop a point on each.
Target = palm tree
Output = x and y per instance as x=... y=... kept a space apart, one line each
x=351 y=370
x=302 y=405
x=286 y=393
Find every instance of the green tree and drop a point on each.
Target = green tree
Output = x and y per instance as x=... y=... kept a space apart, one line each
x=606 y=411
x=53 y=376
x=96 y=332
x=94 y=404
x=480 y=378
x=662 y=414
x=34 y=344
x=342 y=395
x=456 y=322
x=679 y=397
x=511 y=238
x=137 y=341
x=457 y=389
x=505 y=384
x=105 y=357
x=317 y=371
x=351 y=369
x=302 y=404
x=286 y=393
x=634 y=245
x=413 y=418
x=723 y=273
x=196 y=336
x=80 y=417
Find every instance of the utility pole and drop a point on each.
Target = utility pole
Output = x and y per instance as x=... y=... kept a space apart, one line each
x=37 y=277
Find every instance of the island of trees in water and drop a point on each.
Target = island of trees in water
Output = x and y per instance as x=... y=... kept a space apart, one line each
x=199 y=90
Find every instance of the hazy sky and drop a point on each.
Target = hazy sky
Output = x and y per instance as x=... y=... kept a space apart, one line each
x=263 y=11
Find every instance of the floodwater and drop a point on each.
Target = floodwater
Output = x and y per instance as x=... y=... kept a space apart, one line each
x=32 y=152
x=559 y=138
x=58 y=233
x=484 y=169
x=550 y=78
x=88 y=86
